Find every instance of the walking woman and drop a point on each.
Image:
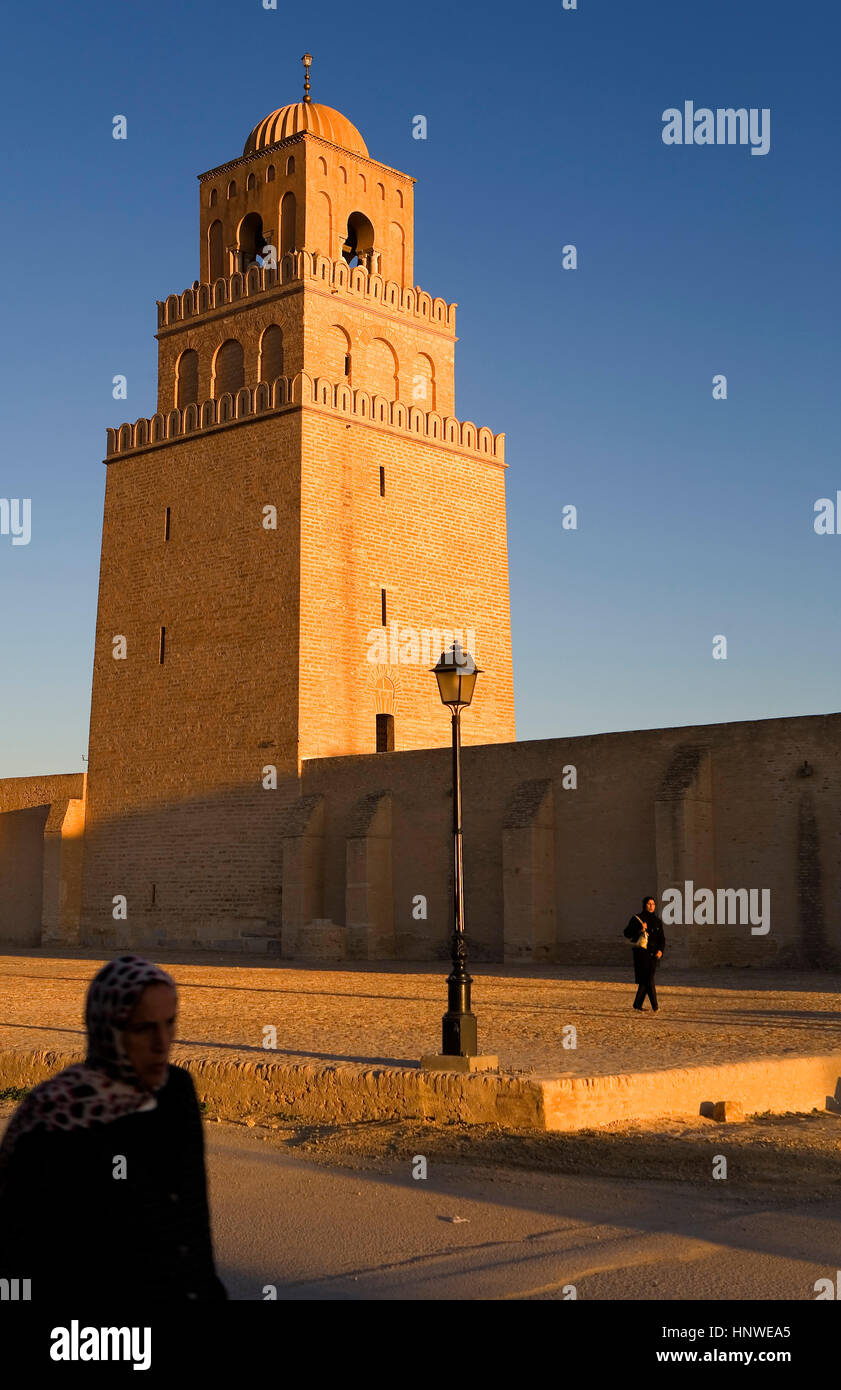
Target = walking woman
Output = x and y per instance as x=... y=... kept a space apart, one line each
x=646 y=933
x=103 y=1194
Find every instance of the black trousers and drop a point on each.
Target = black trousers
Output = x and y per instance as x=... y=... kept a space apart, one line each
x=645 y=967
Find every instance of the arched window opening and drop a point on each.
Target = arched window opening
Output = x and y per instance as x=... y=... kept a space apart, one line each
x=359 y=242
x=250 y=241
x=213 y=197
x=251 y=183
x=271 y=354
x=232 y=188
x=228 y=369
x=215 y=251
x=270 y=174
x=187 y=379
x=337 y=347
x=287 y=224
x=290 y=164
x=385 y=733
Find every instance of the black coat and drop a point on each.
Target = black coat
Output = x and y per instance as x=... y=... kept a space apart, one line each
x=645 y=961
x=75 y=1230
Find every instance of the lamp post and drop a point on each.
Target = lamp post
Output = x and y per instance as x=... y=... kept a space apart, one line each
x=456 y=673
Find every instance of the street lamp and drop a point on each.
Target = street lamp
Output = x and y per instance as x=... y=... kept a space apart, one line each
x=456 y=673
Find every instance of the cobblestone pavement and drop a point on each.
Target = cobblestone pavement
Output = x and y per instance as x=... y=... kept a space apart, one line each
x=390 y=1014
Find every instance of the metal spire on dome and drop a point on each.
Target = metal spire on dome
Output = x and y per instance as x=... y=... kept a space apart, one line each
x=307 y=62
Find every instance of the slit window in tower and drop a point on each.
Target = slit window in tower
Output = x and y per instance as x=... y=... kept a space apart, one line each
x=382 y=482
x=382 y=599
x=166 y=524
x=347 y=364
x=385 y=733
x=162 y=646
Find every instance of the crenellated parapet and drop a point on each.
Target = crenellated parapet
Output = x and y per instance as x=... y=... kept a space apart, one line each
x=302 y=390
x=306 y=268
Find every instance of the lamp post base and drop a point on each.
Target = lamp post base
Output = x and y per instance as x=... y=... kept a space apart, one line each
x=458 y=1030
x=438 y=1062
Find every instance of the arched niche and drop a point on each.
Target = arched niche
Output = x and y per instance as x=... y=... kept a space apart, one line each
x=187 y=379
x=288 y=212
x=271 y=353
x=215 y=252
x=228 y=368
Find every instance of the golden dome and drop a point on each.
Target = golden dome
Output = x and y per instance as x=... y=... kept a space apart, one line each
x=305 y=115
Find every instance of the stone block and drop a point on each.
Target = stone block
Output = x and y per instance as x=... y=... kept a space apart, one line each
x=321 y=939
x=724 y=1110
x=435 y=1061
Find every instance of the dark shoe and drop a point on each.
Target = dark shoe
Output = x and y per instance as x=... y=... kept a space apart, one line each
x=637 y=1008
x=656 y=1009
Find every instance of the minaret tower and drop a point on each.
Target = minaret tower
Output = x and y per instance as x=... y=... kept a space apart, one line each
x=290 y=538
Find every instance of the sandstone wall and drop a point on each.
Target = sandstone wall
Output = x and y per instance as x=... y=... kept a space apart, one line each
x=553 y=872
x=41 y=842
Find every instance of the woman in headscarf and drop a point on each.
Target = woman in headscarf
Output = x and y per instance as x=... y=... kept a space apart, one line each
x=645 y=931
x=103 y=1191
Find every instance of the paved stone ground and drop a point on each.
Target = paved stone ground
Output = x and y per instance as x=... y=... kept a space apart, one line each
x=390 y=1014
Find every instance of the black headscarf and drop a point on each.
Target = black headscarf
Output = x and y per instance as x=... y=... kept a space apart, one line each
x=104 y=1087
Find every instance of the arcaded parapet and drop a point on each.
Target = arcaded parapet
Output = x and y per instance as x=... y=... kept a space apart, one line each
x=464 y=436
x=302 y=267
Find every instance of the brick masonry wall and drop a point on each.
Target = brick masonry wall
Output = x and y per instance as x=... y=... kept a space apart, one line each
x=605 y=848
x=177 y=815
x=19 y=793
x=245 y=321
x=328 y=184
x=218 y=862
x=25 y=806
x=382 y=346
x=437 y=543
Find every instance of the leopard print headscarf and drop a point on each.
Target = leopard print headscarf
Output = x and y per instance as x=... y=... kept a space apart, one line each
x=105 y=1086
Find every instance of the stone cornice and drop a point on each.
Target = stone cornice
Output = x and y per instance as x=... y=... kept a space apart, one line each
x=293 y=140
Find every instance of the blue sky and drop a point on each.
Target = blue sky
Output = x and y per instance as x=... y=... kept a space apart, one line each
x=544 y=129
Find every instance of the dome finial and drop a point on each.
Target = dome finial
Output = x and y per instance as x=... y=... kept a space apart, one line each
x=307 y=62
